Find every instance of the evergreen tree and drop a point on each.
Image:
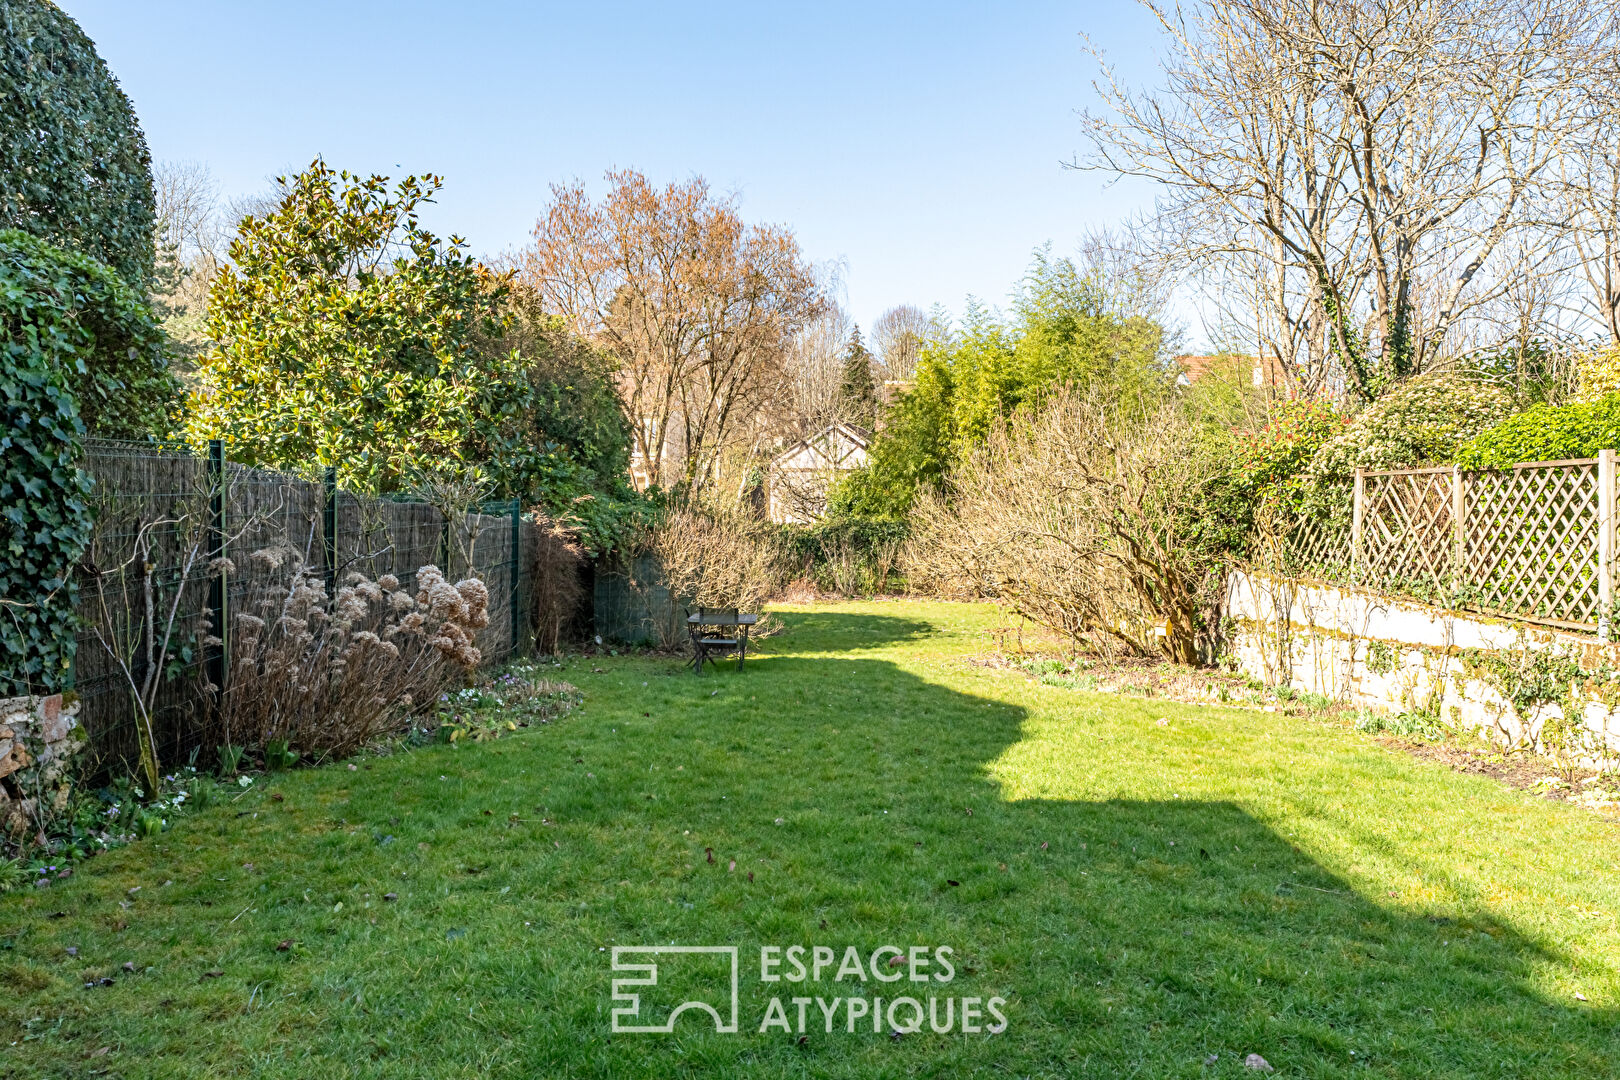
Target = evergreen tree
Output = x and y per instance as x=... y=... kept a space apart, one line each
x=74 y=168
x=857 y=391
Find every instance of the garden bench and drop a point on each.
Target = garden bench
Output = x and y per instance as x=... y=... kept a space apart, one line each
x=718 y=630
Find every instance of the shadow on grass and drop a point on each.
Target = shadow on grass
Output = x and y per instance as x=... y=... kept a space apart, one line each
x=806 y=801
x=1130 y=932
x=824 y=631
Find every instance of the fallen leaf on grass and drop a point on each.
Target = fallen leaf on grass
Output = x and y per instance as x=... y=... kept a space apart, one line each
x=214 y=974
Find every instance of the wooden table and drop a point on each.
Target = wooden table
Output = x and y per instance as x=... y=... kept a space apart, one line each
x=706 y=640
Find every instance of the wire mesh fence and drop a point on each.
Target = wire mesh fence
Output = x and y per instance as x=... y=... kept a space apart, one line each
x=183 y=540
x=1535 y=542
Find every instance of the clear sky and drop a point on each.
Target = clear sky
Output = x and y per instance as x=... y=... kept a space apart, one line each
x=919 y=143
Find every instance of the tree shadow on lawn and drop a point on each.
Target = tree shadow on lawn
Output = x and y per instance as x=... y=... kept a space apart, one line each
x=1127 y=934
x=840 y=631
x=858 y=803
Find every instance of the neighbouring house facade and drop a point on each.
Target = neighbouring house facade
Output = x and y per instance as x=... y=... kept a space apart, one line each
x=1260 y=372
x=800 y=476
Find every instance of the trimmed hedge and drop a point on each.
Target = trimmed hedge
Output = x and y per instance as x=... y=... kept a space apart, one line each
x=858 y=544
x=1547 y=433
x=74 y=167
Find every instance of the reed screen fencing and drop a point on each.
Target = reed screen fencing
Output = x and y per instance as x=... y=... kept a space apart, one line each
x=163 y=518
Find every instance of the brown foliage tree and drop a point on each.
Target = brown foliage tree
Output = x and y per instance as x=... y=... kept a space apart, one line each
x=697 y=307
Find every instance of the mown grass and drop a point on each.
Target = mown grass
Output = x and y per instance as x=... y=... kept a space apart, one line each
x=1144 y=895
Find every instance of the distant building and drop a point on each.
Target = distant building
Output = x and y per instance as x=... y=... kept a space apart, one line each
x=800 y=476
x=1267 y=372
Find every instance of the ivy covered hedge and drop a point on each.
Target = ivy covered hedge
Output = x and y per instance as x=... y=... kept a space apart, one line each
x=1547 y=433
x=75 y=344
x=845 y=555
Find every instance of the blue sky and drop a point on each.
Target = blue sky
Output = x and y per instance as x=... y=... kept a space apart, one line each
x=918 y=143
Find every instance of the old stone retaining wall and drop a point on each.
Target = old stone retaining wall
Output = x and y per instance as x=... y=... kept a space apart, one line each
x=1519 y=684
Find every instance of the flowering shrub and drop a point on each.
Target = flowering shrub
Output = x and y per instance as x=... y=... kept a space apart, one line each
x=1275 y=458
x=1425 y=419
x=325 y=675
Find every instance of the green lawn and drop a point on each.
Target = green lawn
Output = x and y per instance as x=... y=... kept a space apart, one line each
x=1143 y=895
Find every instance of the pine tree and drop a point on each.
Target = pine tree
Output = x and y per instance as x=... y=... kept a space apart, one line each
x=857 y=391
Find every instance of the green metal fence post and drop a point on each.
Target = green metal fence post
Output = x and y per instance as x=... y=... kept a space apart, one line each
x=329 y=524
x=517 y=565
x=214 y=656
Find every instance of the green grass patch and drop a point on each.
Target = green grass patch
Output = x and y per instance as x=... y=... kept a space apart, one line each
x=1142 y=894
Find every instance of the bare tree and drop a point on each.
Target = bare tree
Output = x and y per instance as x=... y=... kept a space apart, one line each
x=698 y=308
x=814 y=367
x=1360 y=163
x=187 y=206
x=900 y=334
x=1589 y=200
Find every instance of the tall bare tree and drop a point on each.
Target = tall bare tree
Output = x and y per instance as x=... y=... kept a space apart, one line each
x=698 y=307
x=1589 y=201
x=815 y=365
x=900 y=334
x=1360 y=162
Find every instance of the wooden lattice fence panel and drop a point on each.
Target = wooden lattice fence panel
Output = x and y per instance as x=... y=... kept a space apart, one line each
x=1531 y=541
x=1408 y=530
x=1320 y=546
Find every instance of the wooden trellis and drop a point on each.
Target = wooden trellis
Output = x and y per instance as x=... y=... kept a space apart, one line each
x=1534 y=542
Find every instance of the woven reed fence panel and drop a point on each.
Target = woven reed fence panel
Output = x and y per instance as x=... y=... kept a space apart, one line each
x=155 y=518
x=1527 y=543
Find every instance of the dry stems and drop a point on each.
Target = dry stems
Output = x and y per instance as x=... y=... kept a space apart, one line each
x=326 y=674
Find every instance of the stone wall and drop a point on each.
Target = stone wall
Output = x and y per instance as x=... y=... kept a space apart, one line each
x=38 y=737
x=1392 y=656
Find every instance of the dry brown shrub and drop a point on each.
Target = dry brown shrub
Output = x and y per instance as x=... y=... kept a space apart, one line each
x=327 y=674
x=1078 y=517
x=716 y=559
x=555 y=561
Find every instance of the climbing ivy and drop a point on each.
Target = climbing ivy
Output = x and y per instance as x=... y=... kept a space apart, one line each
x=70 y=329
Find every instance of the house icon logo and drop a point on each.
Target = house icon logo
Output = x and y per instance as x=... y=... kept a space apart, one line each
x=698 y=978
